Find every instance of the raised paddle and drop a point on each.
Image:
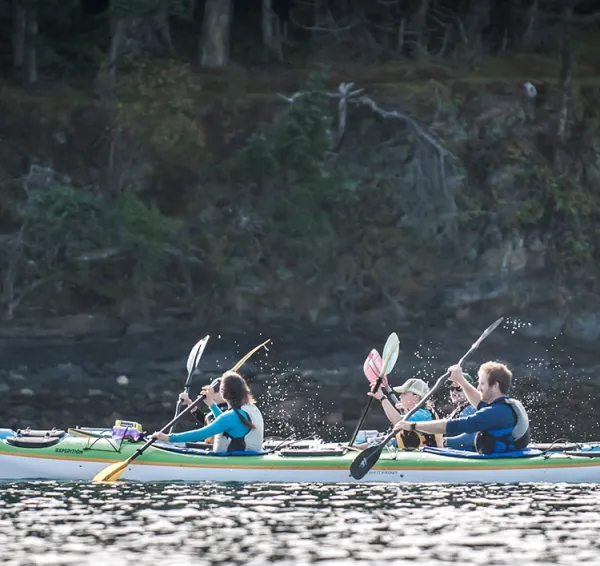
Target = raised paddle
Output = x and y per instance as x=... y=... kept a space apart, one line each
x=363 y=463
x=192 y=363
x=390 y=357
x=114 y=471
x=371 y=369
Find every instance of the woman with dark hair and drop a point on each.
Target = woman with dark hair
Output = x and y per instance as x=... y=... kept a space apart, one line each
x=240 y=428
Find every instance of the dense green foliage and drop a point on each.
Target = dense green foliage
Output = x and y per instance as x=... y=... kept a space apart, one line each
x=172 y=185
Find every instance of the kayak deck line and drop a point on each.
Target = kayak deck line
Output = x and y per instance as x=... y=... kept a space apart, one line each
x=476 y=465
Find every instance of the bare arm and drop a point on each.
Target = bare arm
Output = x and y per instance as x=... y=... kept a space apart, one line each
x=390 y=411
x=472 y=394
x=428 y=427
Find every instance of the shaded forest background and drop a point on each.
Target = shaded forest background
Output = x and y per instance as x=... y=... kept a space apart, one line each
x=319 y=158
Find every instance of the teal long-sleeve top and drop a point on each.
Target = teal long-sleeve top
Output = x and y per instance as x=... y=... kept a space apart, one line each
x=227 y=421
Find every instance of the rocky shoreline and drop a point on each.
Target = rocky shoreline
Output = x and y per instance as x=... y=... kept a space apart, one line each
x=310 y=381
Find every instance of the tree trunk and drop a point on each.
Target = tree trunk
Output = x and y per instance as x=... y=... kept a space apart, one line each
x=116 y=40
x=191 y=9
x=531 y=23
x=273 y=29
x=479 y=17
x=418 y=24
x=31 y=35
x=19 y=16
x=566 y=72
x=216 y=31
x=136 y=34
x=268 y=34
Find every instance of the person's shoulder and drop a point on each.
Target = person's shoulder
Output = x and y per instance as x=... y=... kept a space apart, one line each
x=424 y=415
x=468 y=411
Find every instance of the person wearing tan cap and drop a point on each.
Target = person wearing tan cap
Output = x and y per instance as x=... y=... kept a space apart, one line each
x=410 y=392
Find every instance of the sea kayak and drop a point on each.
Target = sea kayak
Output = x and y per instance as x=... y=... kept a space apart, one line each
x=79 y=454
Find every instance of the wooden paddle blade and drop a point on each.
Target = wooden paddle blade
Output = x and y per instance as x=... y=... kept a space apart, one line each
x=111 y=473
x=363 y=463
x=237 y=366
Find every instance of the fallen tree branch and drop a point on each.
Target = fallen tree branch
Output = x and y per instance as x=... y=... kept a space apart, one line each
x=347 y=94
x=421 y=130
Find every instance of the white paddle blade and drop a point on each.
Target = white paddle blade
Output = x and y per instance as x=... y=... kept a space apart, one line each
x=195 y=354
x=390 y=353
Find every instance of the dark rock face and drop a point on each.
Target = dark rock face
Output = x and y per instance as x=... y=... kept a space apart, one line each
x=310 y=381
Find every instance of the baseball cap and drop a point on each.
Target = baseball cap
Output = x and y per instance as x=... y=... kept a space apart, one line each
x=468 y=378
x=414 y=385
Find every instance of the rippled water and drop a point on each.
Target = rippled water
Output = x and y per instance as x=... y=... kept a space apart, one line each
x=81 y=524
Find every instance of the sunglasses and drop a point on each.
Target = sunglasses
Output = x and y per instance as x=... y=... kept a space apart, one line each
x=456 y=388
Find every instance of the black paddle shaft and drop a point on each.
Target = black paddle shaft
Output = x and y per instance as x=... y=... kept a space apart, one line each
x=364 y=461
x=188 y=381
x=378 y=383
x=188 y=384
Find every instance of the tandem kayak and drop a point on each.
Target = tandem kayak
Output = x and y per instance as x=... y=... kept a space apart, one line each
x=79 y=454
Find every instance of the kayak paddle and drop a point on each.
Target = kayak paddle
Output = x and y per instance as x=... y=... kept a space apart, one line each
x=390 y=357
x=371 y=369
x=192 y=363
x=114 y=471
x=363 y=463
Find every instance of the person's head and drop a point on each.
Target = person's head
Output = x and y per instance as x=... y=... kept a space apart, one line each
x=494 y=381
x=235 y=390
x=457 y=395
x=411 y=392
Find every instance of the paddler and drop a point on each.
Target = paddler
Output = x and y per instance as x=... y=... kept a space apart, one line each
x=500 y=423
x=411 y=392
x=462 y=409
x=238 y=429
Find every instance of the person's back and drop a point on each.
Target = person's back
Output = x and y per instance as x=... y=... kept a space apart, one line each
x=508 y=426
x=241 y=438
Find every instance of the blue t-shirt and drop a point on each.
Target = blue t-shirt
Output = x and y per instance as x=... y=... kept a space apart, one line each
x=227 y=421
x=464 y=441
x=489 y=416
x=421 y=415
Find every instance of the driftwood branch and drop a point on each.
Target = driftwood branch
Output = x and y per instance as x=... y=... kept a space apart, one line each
x=420 y=130
x=346 y=95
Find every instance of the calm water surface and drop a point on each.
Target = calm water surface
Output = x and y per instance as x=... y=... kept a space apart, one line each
x=80 y=524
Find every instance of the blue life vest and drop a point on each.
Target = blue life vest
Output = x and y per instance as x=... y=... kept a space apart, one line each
x=510 y=439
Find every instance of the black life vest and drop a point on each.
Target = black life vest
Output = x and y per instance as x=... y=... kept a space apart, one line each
x=237 y=444
x=510 y=439
x=412 y=440
x=457 y=411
